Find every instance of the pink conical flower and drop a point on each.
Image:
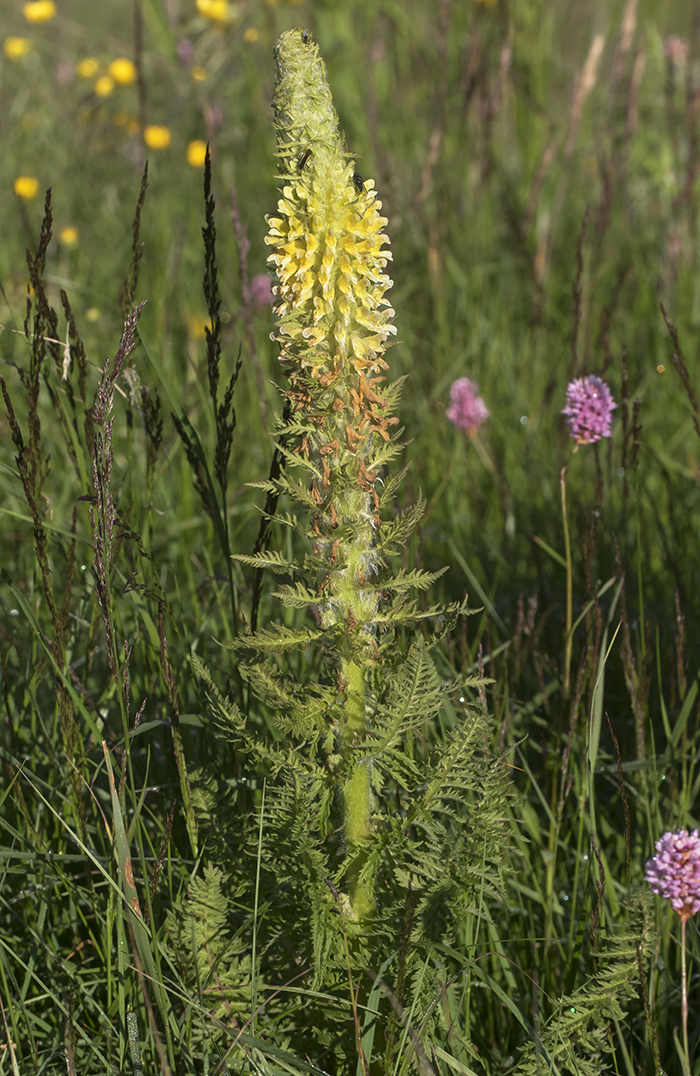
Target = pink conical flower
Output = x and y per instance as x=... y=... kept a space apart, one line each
x=674 y=872
x=589 y=408
x=467 y=410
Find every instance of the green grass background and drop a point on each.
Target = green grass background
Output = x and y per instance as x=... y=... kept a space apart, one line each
x=529 y=246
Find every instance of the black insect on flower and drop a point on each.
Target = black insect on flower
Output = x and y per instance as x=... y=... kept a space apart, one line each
x=303 y=159
x=359 y=182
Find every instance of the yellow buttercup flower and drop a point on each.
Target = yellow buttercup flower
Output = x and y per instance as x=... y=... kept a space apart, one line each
x=216 y=10
x=251 y=34
x=69 y=236
x=16 y=47
x=26 y=187
x=156 y=136
x=39 y=10
x=196 y=325
x=198 y=74
x=87 y=68
x=196 y=153
x=123 y=71
x=104 y=86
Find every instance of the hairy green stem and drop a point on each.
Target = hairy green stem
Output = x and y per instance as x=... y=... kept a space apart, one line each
x=568 y=635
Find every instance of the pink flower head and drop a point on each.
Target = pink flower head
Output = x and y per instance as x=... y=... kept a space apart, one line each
x=675 y=50
x=589 y=408
x=467 y=410
x=261 y=291
x=674 y=872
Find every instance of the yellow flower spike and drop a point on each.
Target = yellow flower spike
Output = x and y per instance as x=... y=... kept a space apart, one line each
x=156 y=136
x=16 y=47
x=333 y=324
x=196 y=153
x=26 y=187
x=69 y=236
x=39 y=10
x=123 y=71
x=87 y=68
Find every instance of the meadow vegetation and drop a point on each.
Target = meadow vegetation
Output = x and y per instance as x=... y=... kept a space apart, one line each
x=186 y=885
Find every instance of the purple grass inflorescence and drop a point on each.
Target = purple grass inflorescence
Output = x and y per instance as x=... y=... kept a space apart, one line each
x=589 y=408
x=467 y=410
x=674 y=872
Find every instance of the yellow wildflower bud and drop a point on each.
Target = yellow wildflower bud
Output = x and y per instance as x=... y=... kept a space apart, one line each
x=216 y=10
x=16 y=47
x=87 y=68
x=104 y=86
x=199 y=74
x=26 y=187
x=39 y=10
x=196 y=326
x=196 y=153
x=123 y=71
x=251 y=34
x=69 y=236
x=156 y=136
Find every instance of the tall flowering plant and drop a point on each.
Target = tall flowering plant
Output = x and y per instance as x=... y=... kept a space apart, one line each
x=673 y=872
x=328 y=251
x=588 y=409
x=364 y=839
